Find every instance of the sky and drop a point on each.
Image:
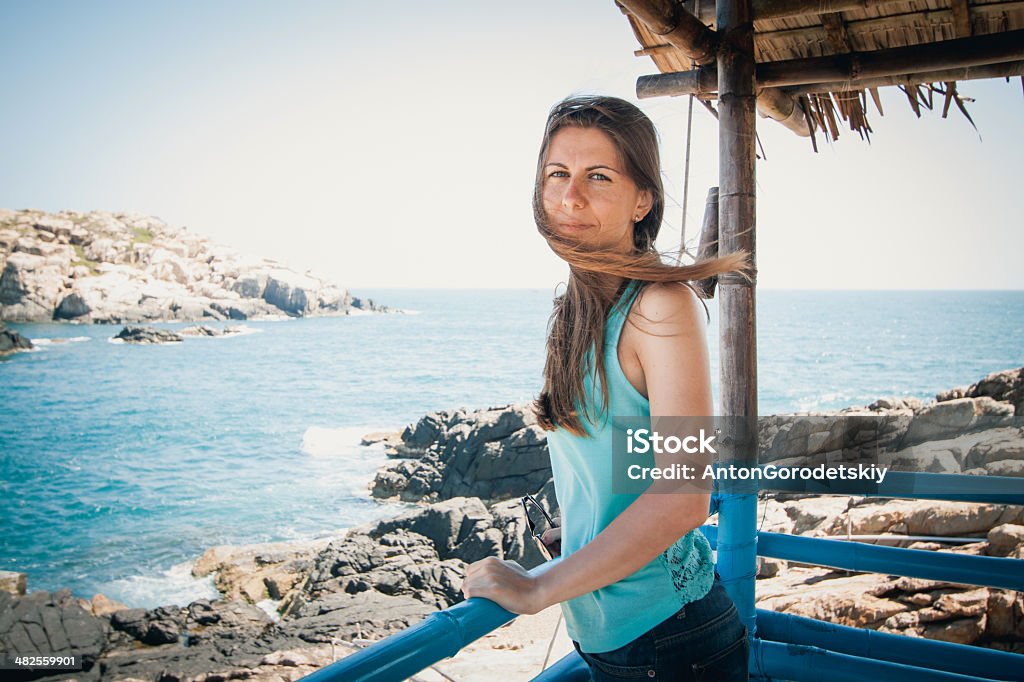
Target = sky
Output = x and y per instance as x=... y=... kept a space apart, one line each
x=394 y=144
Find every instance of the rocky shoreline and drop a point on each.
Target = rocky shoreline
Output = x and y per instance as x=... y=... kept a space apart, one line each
x=287 y=609
x=104 y=267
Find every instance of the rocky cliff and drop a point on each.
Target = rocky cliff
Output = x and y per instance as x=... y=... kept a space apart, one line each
x=127 y=267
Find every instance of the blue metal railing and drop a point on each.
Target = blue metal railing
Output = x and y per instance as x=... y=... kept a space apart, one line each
x=785 y=647
x=913 y=563
x=438 y=636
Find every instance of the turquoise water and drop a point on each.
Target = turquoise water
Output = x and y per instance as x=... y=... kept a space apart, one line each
x=120 y=464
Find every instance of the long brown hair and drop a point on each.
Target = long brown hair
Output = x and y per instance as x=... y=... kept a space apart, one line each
x=579 y=316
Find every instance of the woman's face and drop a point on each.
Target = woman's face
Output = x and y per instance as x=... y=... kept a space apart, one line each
x=586 y=193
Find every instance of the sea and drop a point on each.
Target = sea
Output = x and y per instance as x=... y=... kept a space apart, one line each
x=120 y=463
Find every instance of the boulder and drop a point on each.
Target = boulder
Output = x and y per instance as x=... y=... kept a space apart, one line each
x=132 y=334
x=494 y=454
x=42 y=623
x=13 y=582
x=11 y=341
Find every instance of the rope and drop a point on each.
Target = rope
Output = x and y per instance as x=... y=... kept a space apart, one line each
x=686 y=177
x=551 y=644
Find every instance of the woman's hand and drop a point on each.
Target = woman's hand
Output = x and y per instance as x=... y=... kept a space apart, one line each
x=552 y=537
x=505 y=583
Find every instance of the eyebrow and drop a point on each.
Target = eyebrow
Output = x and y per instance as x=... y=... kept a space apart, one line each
x=590 y=168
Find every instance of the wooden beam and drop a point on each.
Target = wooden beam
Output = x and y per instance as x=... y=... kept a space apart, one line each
x=1004 y=70
x=858 y=69
x=678 y=27
x=934 y=19
x=703 y=81
x=772 y=103
x=961 y=18
x=777 y=9
x=835 y=32
x=946 y=54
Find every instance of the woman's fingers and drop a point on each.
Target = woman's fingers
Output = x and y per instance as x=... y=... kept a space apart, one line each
x=551 y=535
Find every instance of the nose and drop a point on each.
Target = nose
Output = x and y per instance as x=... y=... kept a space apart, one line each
x=572 y=197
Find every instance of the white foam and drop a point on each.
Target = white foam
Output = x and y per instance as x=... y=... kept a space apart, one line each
x=320 y=441
x=272 y=318
x=176 y=585
x=69 y=339
x=236 y=330
x=269 y=607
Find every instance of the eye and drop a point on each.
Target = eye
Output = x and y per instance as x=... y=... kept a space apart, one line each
x=600 y=176
x=558 y=174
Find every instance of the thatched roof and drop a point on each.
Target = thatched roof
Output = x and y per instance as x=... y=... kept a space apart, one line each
x=829 y=57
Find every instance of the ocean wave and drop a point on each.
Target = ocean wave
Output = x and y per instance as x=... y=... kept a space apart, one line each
x=272 y=318
x=176 y=585
x=60 y=339
x=236 y=330
x=321 y=441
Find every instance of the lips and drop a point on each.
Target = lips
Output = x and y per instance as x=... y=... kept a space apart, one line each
x=574 y=226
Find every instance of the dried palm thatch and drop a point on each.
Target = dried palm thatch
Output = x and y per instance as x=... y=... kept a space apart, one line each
x=819 y=61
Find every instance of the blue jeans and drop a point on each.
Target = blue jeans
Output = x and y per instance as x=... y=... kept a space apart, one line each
x=705 y=640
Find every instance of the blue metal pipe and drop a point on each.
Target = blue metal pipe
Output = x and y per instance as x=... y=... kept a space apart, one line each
x=737 y=552
x=914 y=563
x=925 y=653
x=915 y=485
x=799 y=662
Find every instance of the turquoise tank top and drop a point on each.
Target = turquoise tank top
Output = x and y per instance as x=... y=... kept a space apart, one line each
x=614 y=615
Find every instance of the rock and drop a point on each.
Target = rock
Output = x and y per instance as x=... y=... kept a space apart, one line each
x=961 y=631
x=348 y=616
x=995 y=445
x=817 y=513
x=493 y=454
x=131 y=621
x=42 y=623
x=13 y=582
x=252 y=573
x=161 y=632
x=1004 y=386
x=1004 y=538
x=71 y=306
x=447 y=524
x=952 y=418
x=131 y=334
x=100 y=605
x=11 y=341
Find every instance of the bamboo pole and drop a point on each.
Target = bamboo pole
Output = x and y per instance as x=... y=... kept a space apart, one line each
x=946 y=54
x=677 y=26
x=1004 y=70
x=707 y=246
x=854 y=68
x=737 y=548
x=777 y=9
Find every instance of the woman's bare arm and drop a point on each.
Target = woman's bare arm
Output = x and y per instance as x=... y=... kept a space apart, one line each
x=675 y=362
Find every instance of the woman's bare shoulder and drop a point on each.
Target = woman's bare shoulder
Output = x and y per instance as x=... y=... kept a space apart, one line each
x=665 y=305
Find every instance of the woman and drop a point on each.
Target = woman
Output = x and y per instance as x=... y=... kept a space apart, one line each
x=636 y=580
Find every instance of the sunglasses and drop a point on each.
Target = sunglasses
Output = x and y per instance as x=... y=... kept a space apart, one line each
x=531 y=508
